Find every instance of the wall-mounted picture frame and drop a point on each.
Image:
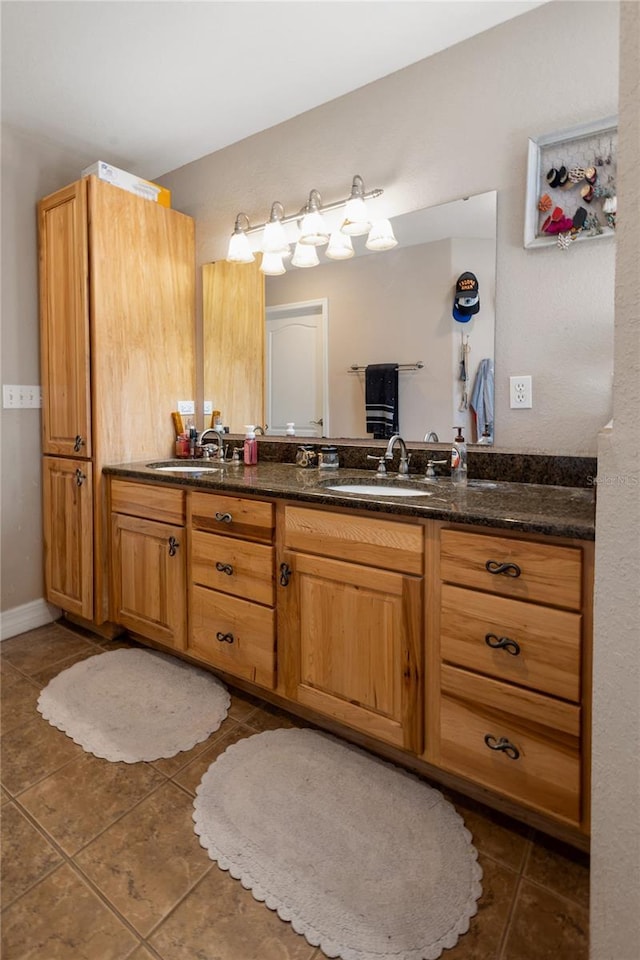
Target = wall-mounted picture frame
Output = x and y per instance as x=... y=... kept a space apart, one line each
x=562 y=204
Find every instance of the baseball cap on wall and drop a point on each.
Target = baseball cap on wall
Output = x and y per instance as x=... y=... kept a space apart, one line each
x=466 y=301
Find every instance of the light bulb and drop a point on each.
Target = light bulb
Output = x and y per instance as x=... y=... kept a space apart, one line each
x=239 y=249
x=305 y=255
x=340 y=246
x=272 y=265
x=381 y=236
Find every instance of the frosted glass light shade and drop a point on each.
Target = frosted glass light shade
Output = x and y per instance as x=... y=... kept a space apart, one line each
x=239 y=250
x=356 y=221
x=272 y=265
x=381 y=236
x=340 y=246
x=313 y=230
x=305 y=255
x=274 y=239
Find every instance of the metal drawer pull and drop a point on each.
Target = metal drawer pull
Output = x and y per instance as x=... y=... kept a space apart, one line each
x=80 y=477
x=285 y=573
x=173 y=546
x=225 y=568
x=504 y=745
x=224 y=517
x=509 y=569
x=224 y=637
x=78 y=443
x=502 y=643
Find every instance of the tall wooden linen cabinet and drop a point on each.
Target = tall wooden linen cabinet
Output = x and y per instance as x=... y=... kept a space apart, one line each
x=117 y=316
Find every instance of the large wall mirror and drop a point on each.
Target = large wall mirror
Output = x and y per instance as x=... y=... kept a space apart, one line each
x=379 y=307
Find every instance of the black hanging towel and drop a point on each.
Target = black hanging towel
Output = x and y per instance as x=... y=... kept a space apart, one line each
x=381 y=399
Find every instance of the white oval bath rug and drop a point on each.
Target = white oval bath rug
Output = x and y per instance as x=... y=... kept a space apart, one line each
x=131 y=705
x=364 y=859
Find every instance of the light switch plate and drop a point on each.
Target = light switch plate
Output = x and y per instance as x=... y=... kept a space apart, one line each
x=15 y=396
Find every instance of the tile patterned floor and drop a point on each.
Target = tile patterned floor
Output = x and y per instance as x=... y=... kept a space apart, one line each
x=100 y=860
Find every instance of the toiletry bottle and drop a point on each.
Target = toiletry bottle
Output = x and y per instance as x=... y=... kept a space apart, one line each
x=486 y=436
x=459 y=459
x=291 y=429
x=250 y=446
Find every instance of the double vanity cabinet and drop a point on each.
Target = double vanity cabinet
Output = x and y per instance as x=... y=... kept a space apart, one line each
x=459 y=650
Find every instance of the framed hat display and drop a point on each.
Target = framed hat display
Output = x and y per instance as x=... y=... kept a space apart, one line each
x=571 y=185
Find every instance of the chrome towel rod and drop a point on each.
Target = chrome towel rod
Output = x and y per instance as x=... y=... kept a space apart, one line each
x=361 y=367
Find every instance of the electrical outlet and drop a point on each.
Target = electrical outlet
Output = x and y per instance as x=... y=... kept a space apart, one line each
x=208 y=408
x=186 y=407
x=15 y=396
x=520 y=392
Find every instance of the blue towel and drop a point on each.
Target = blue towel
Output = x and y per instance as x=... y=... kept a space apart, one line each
x=482 y=397
x=381 y=399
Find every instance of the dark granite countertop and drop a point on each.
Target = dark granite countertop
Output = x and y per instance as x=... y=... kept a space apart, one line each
x=529 y=507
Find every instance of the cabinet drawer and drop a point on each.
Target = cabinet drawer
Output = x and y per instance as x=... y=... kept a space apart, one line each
x=232 y=516
x=378 y=543
x=540 y=645
x=234 y=566
x=541 y=768
x=146 y=500
x=234 y=635
x=542 y=572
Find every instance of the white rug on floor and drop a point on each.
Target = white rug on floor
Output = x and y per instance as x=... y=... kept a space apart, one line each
x=364 y=859
x=131 y=705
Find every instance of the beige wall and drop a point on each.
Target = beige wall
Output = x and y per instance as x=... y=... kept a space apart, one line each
x=405 y=133
x=615 y=873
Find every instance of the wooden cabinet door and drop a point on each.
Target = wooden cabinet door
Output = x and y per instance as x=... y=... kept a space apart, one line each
x=352 y=645
x=148 y=568
x=234 y=337
x=68 y=534
x=64 y=322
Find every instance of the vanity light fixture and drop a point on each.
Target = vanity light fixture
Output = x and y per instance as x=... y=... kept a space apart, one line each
x=313 y=229
x=272 y=265
x=274 y=239
x=239 y=248
x=340 y=246
x=305 y=255
x=314 y=232
x=381 y=236
x=356 y=221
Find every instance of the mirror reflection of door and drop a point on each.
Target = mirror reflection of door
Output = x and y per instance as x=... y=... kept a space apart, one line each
x=296 y=368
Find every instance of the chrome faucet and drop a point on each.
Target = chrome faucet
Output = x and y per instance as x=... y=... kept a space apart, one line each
x=218 y=433
x=431 y=437
x=403 y=467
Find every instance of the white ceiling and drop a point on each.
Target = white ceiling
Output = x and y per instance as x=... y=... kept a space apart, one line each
x=150 y=85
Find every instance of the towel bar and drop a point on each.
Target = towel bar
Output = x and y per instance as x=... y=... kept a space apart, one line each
x=361 y=367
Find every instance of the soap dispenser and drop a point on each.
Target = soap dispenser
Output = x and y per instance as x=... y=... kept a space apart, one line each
x=459 y=459
x=250 y=446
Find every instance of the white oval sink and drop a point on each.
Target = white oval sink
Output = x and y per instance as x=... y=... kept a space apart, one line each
x=181 y=469
x=377 y=490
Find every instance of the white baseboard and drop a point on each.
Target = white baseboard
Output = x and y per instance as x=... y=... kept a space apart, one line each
x=27 y=617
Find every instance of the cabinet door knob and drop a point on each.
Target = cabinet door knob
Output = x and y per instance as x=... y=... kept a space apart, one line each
x=502 y=643
x=225 y=568
x=78 y=443
x=224 y=637
x=285 y=574
x=80 y=477
x=173 y=546
x=508 y=569
x=504 y=745
x=224 y=517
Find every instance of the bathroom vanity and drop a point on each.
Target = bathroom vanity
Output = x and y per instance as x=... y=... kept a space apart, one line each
x=448 y=631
